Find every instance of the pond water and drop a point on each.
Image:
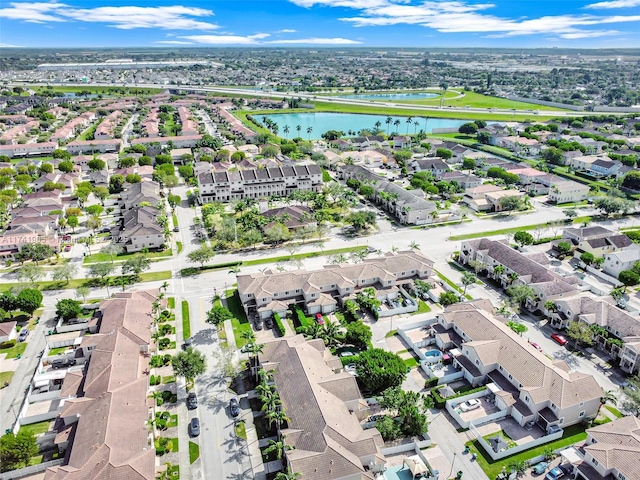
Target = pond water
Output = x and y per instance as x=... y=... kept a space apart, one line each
x=391 y=96
x=324 y=121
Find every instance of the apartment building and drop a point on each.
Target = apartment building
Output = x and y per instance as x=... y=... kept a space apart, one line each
x=106 y=129
x=139 y=229
x=28 y=149
x=596 y=240
x=321 y=291
x=508 y=266
x=529 y=385
x=78 y=147
x=227 y=186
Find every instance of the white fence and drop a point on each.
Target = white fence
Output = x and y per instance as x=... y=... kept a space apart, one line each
x=63 y=327
x=406 y=447
x=44 y=396
x=603 y=276
x=451 y=404
x=28 y=471
x=518 y=448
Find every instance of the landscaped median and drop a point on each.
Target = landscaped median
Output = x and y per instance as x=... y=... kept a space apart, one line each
x=261 y=261
x=186 y=322
x=83 y=282
x=101 y=257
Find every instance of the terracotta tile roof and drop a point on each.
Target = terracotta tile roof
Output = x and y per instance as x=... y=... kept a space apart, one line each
x=617 y=446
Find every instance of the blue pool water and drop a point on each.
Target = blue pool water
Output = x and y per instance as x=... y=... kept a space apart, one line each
x=432 y=353
x=391 y=96
x=397 y=472
x=324 y=121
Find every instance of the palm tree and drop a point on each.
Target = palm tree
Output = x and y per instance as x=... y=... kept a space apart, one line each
x=288 y=475
x=550 y=307
x=378 y=124
x=286 y=131
x=277 y=417
x=513 y=276
x=298 y=128
x=396 y=123
x=497 y=271
x=415 y=126
x=164 y=286
x=332 y=336
x=413 y=245
x=270 y=401
x=279 y=447
x=409 y=122
x=433 y=215
x=388 y=122
x=248 y=336
x=309 y=130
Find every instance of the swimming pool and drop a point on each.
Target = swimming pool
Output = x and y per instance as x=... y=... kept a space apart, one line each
x=433 y=356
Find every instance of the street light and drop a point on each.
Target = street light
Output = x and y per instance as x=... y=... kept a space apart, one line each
x=452 y=462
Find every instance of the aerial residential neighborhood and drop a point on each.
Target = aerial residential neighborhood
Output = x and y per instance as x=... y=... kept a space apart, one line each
x=240 y=260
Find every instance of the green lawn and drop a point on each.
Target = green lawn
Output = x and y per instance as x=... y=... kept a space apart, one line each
x=411 y=362
x=491 y=468
x=614 y=410
x=391 y=334
x=175 y=220
x=36 y=428
x=5 y=377
x=504 y=231
x=422 y=307
x=13 y=352
x=57 y=351
x=186 y=322
x=171 y=302
x=96 y=90
x=194 y=452
x=452 y=285
x=476 y=100
x=239 y=321
x=179 y=246
x=105 y=257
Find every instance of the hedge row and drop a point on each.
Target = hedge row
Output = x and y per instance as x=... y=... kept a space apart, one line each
x=303 y=321
x=279 y=325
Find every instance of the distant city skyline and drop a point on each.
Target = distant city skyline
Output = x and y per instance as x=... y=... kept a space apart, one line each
x=322 y=23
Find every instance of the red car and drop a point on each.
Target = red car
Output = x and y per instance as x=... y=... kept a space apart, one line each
x=558 y=339
x=536 y=346
x=319 y=319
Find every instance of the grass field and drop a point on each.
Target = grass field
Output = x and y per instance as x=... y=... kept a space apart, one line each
x=194 y=452
x=186 y=322
x=13 y=352
x=171 y=302
x=105 y=257
x=504 y=231
x=36 y=428
x=5 y=377
x=239 y=321
x=477 y=100
x=96 y=90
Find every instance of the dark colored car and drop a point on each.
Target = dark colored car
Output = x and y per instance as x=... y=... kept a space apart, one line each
x=234 y=408
x=194 y=427
x=257 y=324
x=62 y=363
x=559 y=339
x=192 y=401
x=187 y=344
x=268 y=323
x=176 y=229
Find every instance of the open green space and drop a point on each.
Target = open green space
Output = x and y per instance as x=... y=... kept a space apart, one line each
x=96 y=90
x=422 y=307
x=452 y=285
x=82 y=282
x=186 y=322
x=174 y=217
x=36 y=428
x=194 y=452
x=491 y=468
x=13 y=352
x=105 y=257
x=171 y=302
x=57 y=351
x=411 y=362
x=5 y=377
x=477 y=100
x=239 y=321
x=179 y=247
x=614 y=410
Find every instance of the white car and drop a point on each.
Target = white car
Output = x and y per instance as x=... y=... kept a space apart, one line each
x=469 y=405
x=351 y=369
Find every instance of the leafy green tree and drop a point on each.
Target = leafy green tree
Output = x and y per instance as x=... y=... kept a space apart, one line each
x=82 y=292
x=519 y=294
x=388 y=428
x=276 y=233
x=189 y=364
x=96 y=164
x=116 y=183
x=580 y=333
x=136 y=265
x=29 y=300
x=112 y=249
x=101 y=193
x=564 y=248
x=469 y=128
x=629 y=278
x=448 y=298
x=174 y=201
x=632 y=180
x=94 y=209
x=631 y=400
x=218 y=314
x=16 y=451
x=358 y=334
x=61 y=154
x=523 y=238
x=378 y=369
x=31 y=272
x=101 y=270
x=201 y=255
x=468 y=163
x=64 y=272
x=588 y=258
x=68 y=308
x=35 y=252
x=361 y=220
x=510 y=203
x=444 y=153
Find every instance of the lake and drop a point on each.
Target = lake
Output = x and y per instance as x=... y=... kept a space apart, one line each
x=322 y=122
x=392 y=96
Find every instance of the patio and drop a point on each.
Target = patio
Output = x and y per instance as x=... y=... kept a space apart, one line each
x=512 y=429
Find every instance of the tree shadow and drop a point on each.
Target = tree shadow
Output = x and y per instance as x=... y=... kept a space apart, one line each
x=567 y=357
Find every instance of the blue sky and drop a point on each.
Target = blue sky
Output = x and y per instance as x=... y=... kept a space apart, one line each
x=401 y=23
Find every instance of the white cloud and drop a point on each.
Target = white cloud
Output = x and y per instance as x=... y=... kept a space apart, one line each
x=33 y=12
x=226 y=39
x=286 y=30
x=459 y=16
x=615 y=4
x=317 y=41
x=173 y=17
x=8 y=45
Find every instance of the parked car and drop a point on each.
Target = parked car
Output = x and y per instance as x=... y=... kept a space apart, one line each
x=247 y=348
x=540 y=468
x=470 y=405
x=319 y=319
x=176 y=229
x=192 y=401
x=257 y=324
x=554 y=474
x=234 y=408
x=67 y=248
x=24 y=333
x=536 y=346
x=62 y=363
x=351 y=369
x=553 y=429
x=194 y=427
x=559 y=339
x=187 y=344
x=268 y=323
